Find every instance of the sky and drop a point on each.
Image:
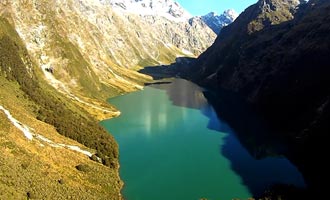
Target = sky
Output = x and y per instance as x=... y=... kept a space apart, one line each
x=202 y=7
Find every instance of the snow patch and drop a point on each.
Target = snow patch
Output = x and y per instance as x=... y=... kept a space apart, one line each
x=217 y=22
x=78 y=149
x=28 y=133
x=168 y=45
x=186 y=52
x=25 y=129
x=168 y=9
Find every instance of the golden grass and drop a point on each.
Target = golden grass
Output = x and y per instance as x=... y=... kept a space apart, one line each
x=35 y=169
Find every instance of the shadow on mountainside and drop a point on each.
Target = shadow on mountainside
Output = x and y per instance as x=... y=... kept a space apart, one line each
x=177 y=69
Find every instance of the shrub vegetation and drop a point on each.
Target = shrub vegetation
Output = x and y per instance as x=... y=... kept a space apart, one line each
x=53 y=107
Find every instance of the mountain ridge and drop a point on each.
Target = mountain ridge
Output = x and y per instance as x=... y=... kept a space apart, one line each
x=168 y=9
x=217 y=22
x=91 y=49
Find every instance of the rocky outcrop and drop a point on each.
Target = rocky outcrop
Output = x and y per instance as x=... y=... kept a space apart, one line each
x=226 y=49
x=169 y=9
x=272 y=12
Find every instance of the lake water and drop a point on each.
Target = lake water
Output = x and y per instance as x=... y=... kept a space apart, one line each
x=173 y=146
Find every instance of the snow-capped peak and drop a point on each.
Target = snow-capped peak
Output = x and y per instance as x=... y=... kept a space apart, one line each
x=166 y=8
x=231 y=14
x=217 y=22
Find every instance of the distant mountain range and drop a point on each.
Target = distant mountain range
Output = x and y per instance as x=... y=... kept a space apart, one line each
x=171 y=10
x=217 y=22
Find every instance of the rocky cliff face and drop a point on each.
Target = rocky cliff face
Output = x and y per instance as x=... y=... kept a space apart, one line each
x=226 y=48
x=272 y=12
x=169 y=9
x=276 y=55
x=244 y=62
x=217 y=22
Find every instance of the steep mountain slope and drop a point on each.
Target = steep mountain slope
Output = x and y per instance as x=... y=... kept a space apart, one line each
x=171 y=23
x=225 y=49
x=217 y=22
x=88 y=50
x=32 y=152
x=277 y=58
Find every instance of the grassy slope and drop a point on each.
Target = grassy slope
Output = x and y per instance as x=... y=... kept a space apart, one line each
x=28 y=167
x=24 y=165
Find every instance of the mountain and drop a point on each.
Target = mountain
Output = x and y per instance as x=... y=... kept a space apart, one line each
x=168 y=9
x=276 y=56
x=217 y=22
x=59 y=62
x=93 y=48
x=225 y=53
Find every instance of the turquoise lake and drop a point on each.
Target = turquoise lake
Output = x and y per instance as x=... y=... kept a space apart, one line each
x=171 y=148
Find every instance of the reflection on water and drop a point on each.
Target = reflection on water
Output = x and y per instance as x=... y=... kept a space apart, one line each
x=250 y=129
x=184 y=94
x=260 y=174
x=174 y=146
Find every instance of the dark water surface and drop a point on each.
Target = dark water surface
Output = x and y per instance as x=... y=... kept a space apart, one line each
x=174 y=146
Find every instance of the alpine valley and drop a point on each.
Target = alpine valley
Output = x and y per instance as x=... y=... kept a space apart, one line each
x=60 y=60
